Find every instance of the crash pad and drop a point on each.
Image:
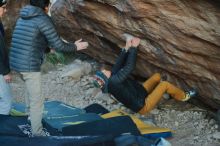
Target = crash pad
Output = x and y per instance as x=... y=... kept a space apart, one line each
x=115 y=126
x=52 y=109
x=59 y=123
x=145 y=129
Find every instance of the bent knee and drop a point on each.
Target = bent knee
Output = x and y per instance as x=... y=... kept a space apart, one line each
x=156 y=77
x=164 y=83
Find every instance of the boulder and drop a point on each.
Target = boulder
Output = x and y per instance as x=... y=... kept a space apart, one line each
x=13 y=8
x=77 y=70
x=180 y=39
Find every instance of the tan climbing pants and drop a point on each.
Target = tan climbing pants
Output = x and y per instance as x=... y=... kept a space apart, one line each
x=34 y=101
x=156 y=89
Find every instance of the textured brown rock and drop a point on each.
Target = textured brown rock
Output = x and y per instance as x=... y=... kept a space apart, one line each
x=181 y=39
x=13 y=8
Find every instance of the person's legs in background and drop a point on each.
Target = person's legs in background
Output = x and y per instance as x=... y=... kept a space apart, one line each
x=5 y=97
x=36 y=100
x=26 y=98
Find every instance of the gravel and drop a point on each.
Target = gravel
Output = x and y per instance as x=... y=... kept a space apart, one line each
x=190 y=127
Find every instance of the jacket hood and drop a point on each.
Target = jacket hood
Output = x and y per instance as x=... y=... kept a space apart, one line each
x=31 y=11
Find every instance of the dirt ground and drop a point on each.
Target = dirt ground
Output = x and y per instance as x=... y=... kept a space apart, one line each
x=191 y=126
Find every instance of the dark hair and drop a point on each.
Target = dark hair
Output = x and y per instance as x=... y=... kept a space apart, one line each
x=40 y=3
x=106 y=67
x=3 y=2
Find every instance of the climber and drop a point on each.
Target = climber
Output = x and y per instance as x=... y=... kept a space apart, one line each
x=141 y=98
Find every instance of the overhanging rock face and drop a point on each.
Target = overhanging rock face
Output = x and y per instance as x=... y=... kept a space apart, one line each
x=13 y=8
x=180 y=39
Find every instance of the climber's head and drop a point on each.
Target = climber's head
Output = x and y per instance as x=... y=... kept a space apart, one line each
x=106 y=70
x=102 y=76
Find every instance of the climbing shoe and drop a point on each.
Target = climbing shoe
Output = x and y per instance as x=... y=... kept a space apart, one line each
x=190 y=94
